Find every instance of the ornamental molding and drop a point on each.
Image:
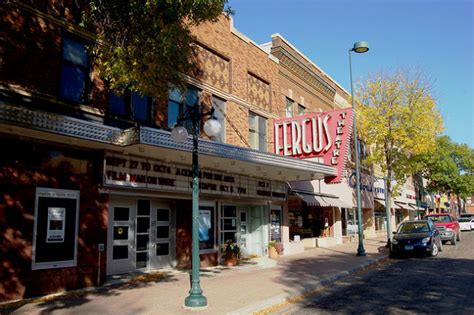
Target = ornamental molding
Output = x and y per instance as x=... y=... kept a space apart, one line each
x=309 y=91
x=299 y=69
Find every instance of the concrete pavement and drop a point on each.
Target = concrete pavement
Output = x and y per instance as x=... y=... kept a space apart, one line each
x=237 y=290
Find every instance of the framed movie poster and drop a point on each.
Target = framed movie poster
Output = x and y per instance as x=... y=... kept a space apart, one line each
x=55 y=228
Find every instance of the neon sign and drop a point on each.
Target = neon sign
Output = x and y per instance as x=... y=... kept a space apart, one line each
x=324 y=135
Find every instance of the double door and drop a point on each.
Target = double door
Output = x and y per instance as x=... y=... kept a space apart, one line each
x=141 y=235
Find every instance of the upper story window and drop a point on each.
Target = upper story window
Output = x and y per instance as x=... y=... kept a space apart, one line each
x=219 y=110
x=301 y=110
x=179 y=104
x=132 y=105
x=257 y=132
x=289 y=107
x=75 y=68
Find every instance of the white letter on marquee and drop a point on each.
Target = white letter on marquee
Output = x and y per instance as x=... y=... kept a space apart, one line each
x=306 y=146
x=286 y=146
x=328 y=135
x=296 y=137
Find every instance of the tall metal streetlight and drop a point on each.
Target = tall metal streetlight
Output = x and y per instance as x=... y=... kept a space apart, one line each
x=179 y=134
x=387 y=208
x=360 y=48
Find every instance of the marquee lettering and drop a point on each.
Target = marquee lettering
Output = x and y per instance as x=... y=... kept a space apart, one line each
x=325 y=135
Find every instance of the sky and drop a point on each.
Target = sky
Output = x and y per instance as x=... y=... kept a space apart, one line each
x=432 y=36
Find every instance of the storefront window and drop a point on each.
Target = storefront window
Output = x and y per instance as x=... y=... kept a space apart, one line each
x=206 y=227
x=228 y=223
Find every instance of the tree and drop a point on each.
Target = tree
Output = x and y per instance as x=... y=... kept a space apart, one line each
x=399 y=121
x=146 y=46
x=450 y=168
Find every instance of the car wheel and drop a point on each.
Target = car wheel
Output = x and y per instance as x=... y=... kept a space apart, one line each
x=459 y=237
x=434 y=250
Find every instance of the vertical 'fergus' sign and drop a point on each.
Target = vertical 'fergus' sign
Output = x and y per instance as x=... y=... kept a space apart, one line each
x=325 y=135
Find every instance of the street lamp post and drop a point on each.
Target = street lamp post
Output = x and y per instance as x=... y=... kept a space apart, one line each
x=212 y=127
x=387 y=207
x=359 y=47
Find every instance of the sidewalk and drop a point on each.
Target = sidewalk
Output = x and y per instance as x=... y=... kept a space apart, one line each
x=238 y=290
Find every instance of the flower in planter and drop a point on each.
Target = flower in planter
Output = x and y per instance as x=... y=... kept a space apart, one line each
x=231 y=249
x=279 y=248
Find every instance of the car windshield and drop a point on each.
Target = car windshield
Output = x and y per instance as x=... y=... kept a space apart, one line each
x=464 y=219
x=413 y=227
x=440 y=218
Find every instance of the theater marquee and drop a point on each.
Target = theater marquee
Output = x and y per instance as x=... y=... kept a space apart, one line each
x=135 y=172
x=325 y=135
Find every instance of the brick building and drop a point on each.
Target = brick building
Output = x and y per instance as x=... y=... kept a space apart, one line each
x=92 y=184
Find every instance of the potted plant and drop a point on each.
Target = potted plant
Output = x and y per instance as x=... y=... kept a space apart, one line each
x=230 y=253
x=279 y=248
x=272 y=250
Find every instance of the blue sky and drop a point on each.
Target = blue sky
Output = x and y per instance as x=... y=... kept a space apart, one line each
x=434 y=36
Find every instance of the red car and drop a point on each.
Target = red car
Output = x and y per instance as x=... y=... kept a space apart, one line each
x=447 y=225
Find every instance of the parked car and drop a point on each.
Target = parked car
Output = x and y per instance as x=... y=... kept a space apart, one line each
x=469 y=216
x=420 y=236
x=448 y=227
x=352 y=228
x=465 y=223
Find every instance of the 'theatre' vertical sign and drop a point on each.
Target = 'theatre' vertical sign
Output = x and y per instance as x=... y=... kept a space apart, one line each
x=325 y=135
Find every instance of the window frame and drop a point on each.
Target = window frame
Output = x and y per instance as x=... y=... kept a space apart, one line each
x=289 y=103
x=260 y=134
x=86 y=70
x=127 y=98
x=301 y=112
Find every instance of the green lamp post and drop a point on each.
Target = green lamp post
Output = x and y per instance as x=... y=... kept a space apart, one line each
x=179 y=134
x=359 y=47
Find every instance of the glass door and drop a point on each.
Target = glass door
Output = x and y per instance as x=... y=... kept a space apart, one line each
x=142 y=234
x=162 y=236
x=121 y=237
x=243 y=231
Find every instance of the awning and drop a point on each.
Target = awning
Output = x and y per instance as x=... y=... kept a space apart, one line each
x=380 y=201
x=156 y=143
x=322 y=200
x=399 y=205
x=415 y=207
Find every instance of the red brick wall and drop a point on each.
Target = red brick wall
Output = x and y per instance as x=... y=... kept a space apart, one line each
x=23 y=167
x=244 y=58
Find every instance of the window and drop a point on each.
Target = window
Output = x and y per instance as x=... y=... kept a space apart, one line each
x=289 y=107
x=132 y=105
x=178 y=104
x=206 y=227
x=301 y=110
x=228 y=223
x=219 y=110
x=258 y=132
x=74 y=71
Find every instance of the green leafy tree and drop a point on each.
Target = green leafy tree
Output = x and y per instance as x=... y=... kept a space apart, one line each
x=398 y=119
x=146 y=45
x=450 y=168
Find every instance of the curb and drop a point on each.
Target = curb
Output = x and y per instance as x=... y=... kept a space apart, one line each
x=309 y=289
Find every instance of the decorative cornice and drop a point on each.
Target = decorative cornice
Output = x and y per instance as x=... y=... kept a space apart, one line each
x=292 y=79
x=288 y=61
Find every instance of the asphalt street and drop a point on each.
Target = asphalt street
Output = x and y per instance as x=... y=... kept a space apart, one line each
x=421 y=285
